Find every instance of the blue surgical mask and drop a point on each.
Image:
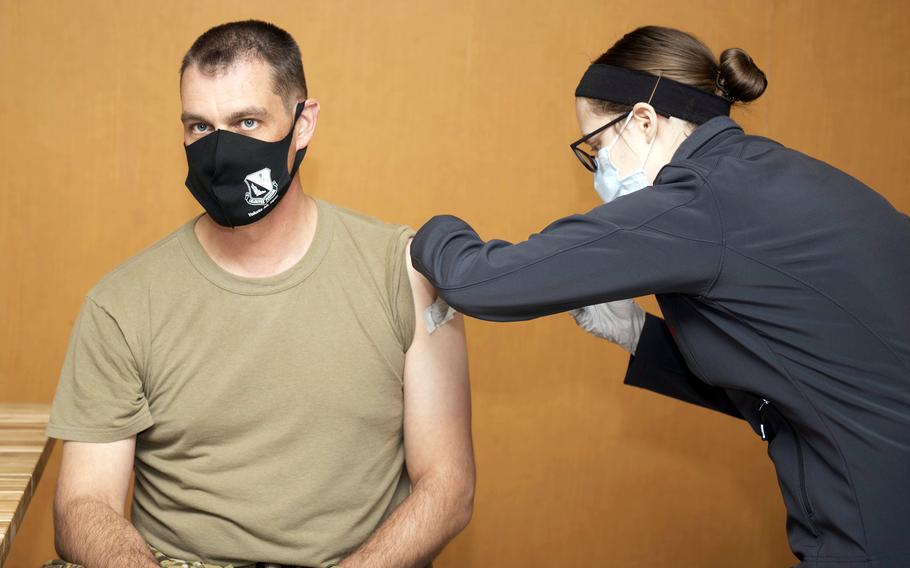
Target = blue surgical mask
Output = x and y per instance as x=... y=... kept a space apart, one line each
x=607 y=182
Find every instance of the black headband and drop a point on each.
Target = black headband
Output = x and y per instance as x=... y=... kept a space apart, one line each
x=671 y=98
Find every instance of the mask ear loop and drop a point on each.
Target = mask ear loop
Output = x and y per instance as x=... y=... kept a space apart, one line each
x=653 y=140
x=621 y=130
x=298 y=158
x=629 y=118
x=298 y=110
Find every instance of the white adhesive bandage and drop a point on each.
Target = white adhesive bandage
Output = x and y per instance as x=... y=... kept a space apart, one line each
x=437 y=315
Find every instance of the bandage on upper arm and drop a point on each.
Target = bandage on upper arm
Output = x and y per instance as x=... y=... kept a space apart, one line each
x=437 y=315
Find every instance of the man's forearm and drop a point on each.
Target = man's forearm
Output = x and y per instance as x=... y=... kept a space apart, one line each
x=90 y=533
x=436 y=510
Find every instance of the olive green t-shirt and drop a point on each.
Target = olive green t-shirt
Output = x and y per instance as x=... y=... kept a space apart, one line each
x=268 y=411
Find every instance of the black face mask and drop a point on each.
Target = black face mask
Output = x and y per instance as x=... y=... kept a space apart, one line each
x=238 y=179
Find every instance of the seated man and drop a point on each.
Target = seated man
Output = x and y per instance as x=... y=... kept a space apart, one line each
x=265 y=370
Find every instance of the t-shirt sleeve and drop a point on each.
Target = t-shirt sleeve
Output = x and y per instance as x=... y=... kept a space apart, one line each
x=99 y=397
x=400 y=293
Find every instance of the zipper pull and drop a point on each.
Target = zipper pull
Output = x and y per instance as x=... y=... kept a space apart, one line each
x=761 y=423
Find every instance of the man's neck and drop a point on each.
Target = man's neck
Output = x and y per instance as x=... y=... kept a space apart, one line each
x=267 y=247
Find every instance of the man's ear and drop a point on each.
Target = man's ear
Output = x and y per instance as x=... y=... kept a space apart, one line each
x=305 y=127
x=645 y=119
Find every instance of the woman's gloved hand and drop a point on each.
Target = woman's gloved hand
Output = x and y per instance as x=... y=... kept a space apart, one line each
x=620 y=322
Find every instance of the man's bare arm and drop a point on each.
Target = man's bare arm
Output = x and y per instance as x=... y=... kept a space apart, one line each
x=438 y=448
x=89 y=526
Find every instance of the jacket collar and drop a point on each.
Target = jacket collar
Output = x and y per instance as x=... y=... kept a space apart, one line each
x=703 y=136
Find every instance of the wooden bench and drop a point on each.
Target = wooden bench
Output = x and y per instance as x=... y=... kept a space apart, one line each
x=24 y=451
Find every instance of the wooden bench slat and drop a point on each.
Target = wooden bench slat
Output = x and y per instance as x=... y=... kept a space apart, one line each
x=24 y=451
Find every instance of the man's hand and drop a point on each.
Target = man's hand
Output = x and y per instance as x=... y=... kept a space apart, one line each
x=438 y=449
x=89 y=526
x=620 y=322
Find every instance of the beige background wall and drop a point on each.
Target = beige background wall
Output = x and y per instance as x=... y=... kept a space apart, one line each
x=429 y=107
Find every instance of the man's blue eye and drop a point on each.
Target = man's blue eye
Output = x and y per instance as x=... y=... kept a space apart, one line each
x=200 y=128
x=248 y=123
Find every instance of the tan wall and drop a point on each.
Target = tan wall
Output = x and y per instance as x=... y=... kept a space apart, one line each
x=429 y=107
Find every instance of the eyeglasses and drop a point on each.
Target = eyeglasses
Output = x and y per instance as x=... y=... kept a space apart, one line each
x=589 y=161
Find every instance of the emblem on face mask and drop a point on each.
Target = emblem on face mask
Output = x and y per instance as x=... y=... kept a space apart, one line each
x=260 y=189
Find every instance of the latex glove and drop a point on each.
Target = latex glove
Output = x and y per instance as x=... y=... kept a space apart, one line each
x=620 y=322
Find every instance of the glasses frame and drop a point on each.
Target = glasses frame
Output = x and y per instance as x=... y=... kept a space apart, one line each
x=589 y=161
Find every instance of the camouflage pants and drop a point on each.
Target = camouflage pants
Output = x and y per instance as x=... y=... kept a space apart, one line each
x=163 y=560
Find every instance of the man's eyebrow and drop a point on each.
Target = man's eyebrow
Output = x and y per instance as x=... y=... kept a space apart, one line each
x=248 y=111
x=234 y=116
x=190 y=117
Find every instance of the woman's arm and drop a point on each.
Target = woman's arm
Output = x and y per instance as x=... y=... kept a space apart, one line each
x=665 y=239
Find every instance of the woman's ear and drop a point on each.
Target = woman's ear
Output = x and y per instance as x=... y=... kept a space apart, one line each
x=645 y=119
x=305 y=127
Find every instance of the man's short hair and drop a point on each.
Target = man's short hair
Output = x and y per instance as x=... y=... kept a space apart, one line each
x=219 y=48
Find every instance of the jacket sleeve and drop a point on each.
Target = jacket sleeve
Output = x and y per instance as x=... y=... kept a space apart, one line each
x=659 y=366
x=663 y=239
